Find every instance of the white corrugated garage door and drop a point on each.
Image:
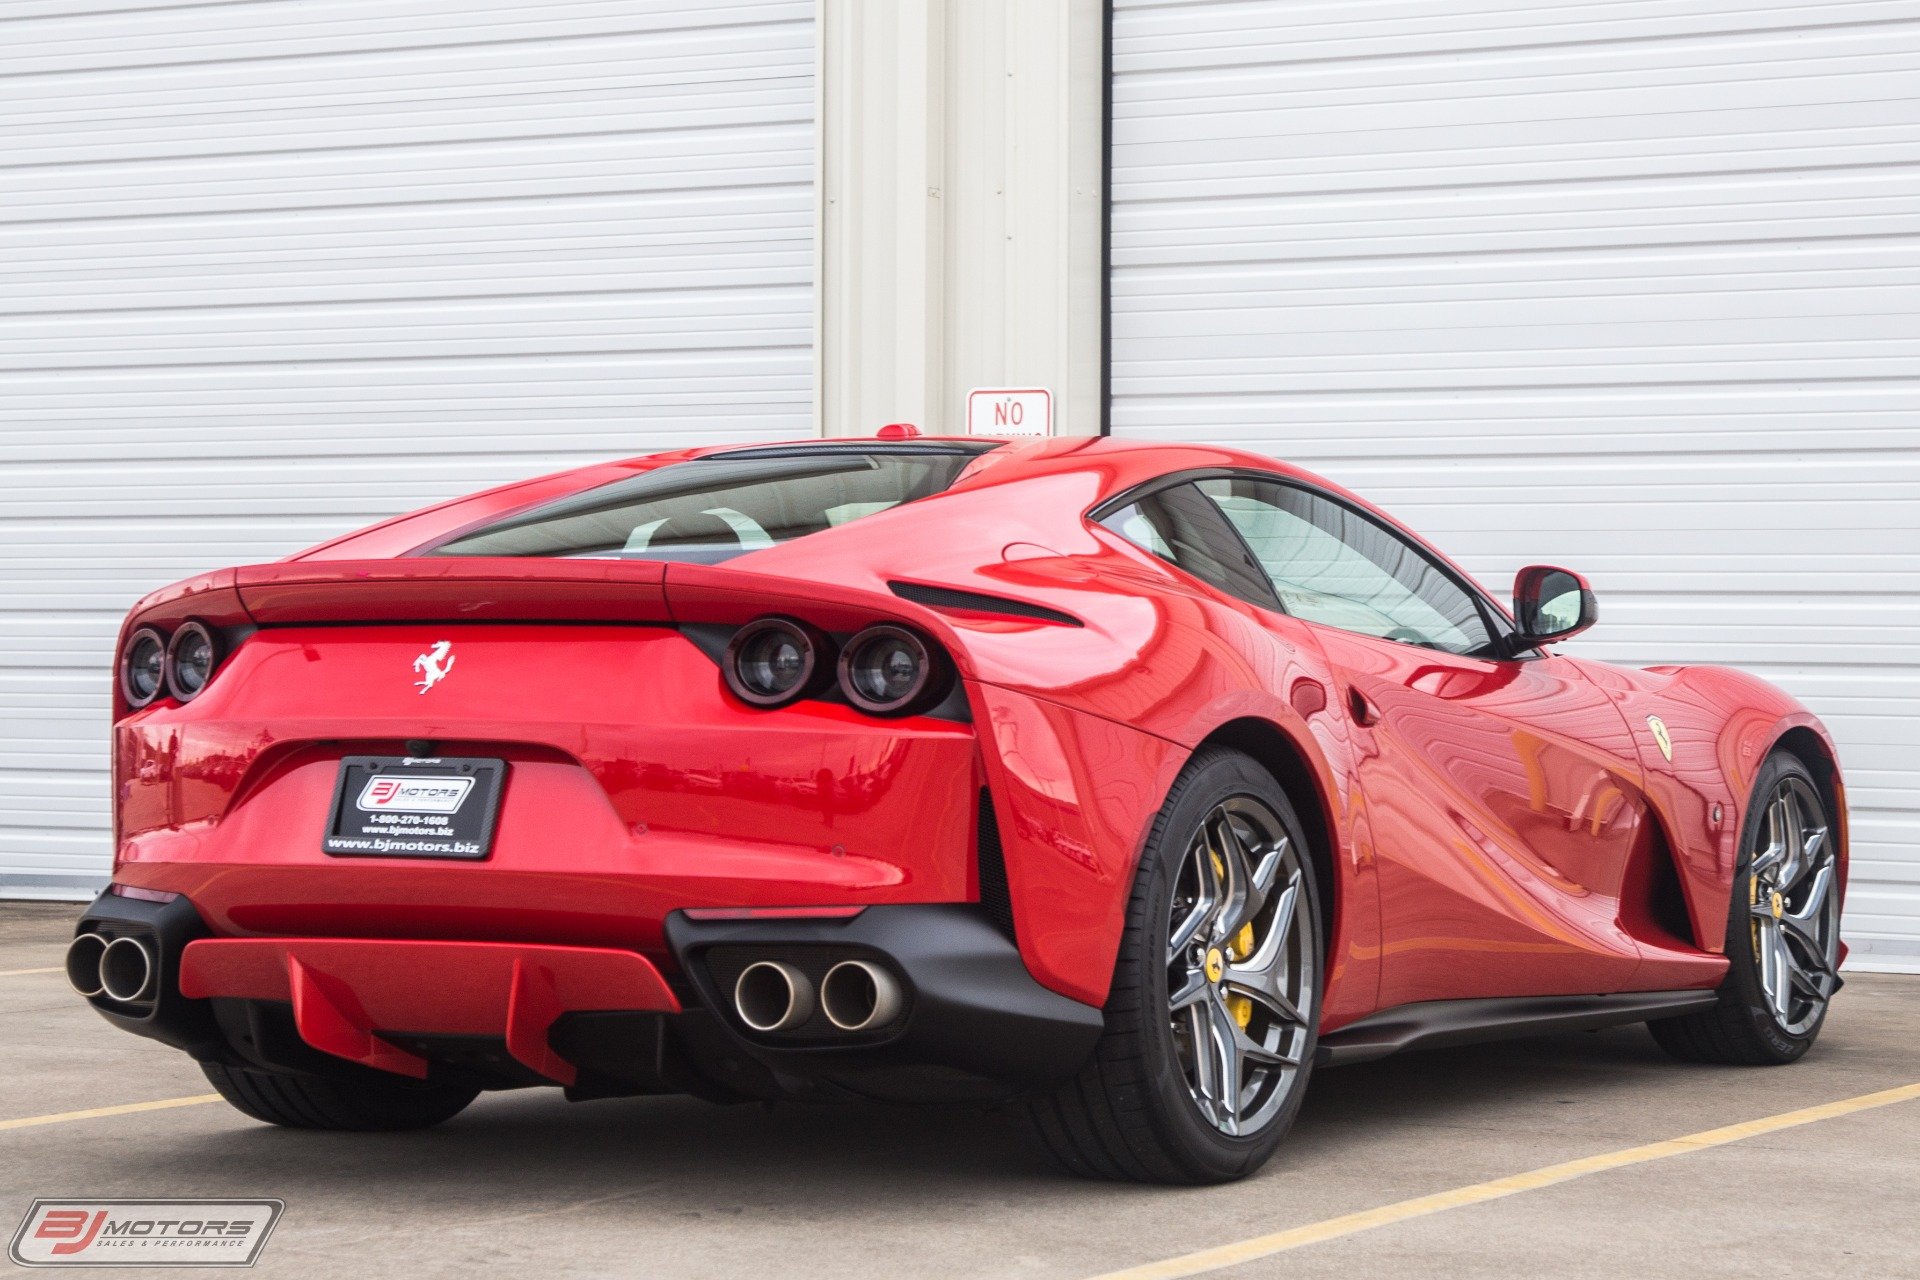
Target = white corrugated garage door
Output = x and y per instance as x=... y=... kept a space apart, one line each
x=270 y=271
x=1629 y=285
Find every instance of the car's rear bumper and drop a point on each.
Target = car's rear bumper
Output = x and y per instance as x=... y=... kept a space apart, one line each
x=972 y=1021
x=970 y=1007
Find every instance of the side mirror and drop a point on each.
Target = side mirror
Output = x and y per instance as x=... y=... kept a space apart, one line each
x=1552 y=604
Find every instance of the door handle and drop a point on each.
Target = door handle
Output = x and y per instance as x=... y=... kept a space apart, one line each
x=1362 y=710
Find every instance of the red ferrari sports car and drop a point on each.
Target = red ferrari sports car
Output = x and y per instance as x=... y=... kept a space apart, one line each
x=1132 y=781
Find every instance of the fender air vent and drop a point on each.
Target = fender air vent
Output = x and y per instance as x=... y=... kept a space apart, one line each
x=979 y=602
x=995 y=898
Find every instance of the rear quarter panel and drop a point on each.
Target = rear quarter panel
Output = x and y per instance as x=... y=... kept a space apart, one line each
x=1083 y=729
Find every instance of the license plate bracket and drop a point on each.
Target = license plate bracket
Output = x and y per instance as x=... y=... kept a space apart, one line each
x=414 y=807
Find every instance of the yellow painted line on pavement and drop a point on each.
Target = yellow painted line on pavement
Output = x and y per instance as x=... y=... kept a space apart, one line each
x=21 y=973
x=100 y=1113
x=1229 y=1255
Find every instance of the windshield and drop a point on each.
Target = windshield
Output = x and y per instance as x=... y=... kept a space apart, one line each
x=714 y=508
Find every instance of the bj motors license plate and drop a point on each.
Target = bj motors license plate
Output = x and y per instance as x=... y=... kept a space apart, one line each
x=403 y=807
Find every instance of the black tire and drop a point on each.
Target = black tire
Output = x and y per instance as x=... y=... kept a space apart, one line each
x=365 y=1106
x=1130 y=1114
x=1742 y=1029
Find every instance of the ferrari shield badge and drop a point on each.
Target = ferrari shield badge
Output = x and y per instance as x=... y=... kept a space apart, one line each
x=1660 y=737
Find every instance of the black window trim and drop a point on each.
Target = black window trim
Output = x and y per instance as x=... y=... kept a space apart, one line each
x=1140 y=493
x=1500 y=627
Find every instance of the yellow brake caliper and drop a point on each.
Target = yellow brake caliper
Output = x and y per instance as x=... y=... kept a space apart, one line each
x=1241 y=1007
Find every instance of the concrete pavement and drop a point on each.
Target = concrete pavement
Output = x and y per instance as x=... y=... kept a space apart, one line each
x=527 y=1184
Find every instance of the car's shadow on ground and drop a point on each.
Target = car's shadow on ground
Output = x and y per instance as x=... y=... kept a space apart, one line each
x=699 y=1159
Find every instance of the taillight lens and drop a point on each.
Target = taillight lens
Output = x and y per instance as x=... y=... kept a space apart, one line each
x=890 y=671
x=774 y=661
x=143 y=666
x=190 y=661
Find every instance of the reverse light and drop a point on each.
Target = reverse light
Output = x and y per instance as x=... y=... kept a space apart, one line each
x=190 y=660
x=889 y=671
x=774 y=661
x=143 y=667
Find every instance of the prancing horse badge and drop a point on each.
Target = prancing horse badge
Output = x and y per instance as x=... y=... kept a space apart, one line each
x=1659 y=728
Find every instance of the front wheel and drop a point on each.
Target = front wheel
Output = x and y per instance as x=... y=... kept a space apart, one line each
x=1783 y=932
x=1214 y=1012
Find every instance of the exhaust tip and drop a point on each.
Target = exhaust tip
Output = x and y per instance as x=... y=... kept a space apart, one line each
x=858 y=996
x=771 y=995
x=126 y=969
x=83 y=964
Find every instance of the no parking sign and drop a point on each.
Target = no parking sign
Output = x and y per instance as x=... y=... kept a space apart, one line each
x=1010 y=411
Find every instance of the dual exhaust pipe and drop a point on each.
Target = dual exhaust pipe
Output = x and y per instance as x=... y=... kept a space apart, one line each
x=121 y=969
x=772 y=995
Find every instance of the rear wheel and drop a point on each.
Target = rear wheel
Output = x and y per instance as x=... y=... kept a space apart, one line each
x=310 y=1102
x=1215 y=1004
x=1783 y=932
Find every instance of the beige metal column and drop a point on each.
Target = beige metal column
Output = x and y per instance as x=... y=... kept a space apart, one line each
x=960 y=221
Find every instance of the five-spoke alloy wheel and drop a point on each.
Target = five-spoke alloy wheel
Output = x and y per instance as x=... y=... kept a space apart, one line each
x=1783 y=930
x=1240 y=965
x=1794 y=908
x=1214 y=1014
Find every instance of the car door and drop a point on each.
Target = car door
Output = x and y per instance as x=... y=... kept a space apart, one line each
x=1502 y=792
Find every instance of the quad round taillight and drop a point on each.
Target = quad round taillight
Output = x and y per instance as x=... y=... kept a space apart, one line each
x=143 y=667
x=190 y=660
x=773 y=661
x=890 y=671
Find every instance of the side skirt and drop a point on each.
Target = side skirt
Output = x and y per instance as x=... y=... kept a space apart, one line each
x=1436 y=1024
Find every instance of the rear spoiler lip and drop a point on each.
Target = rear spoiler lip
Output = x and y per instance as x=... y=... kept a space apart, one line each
x=464 y=589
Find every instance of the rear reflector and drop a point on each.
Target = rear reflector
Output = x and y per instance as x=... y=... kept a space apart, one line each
x=143 y=895
x=771 y=913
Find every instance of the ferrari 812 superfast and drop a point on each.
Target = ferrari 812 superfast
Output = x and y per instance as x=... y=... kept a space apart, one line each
x=1128 y=783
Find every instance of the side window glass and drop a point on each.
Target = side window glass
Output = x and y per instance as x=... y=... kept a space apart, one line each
x=1133 y=524
x=1185 y=529
x=1334 y=566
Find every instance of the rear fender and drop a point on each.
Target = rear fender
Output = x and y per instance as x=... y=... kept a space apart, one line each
x=1074 y=797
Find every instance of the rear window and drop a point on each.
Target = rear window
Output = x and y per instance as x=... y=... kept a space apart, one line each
x=710 y=509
